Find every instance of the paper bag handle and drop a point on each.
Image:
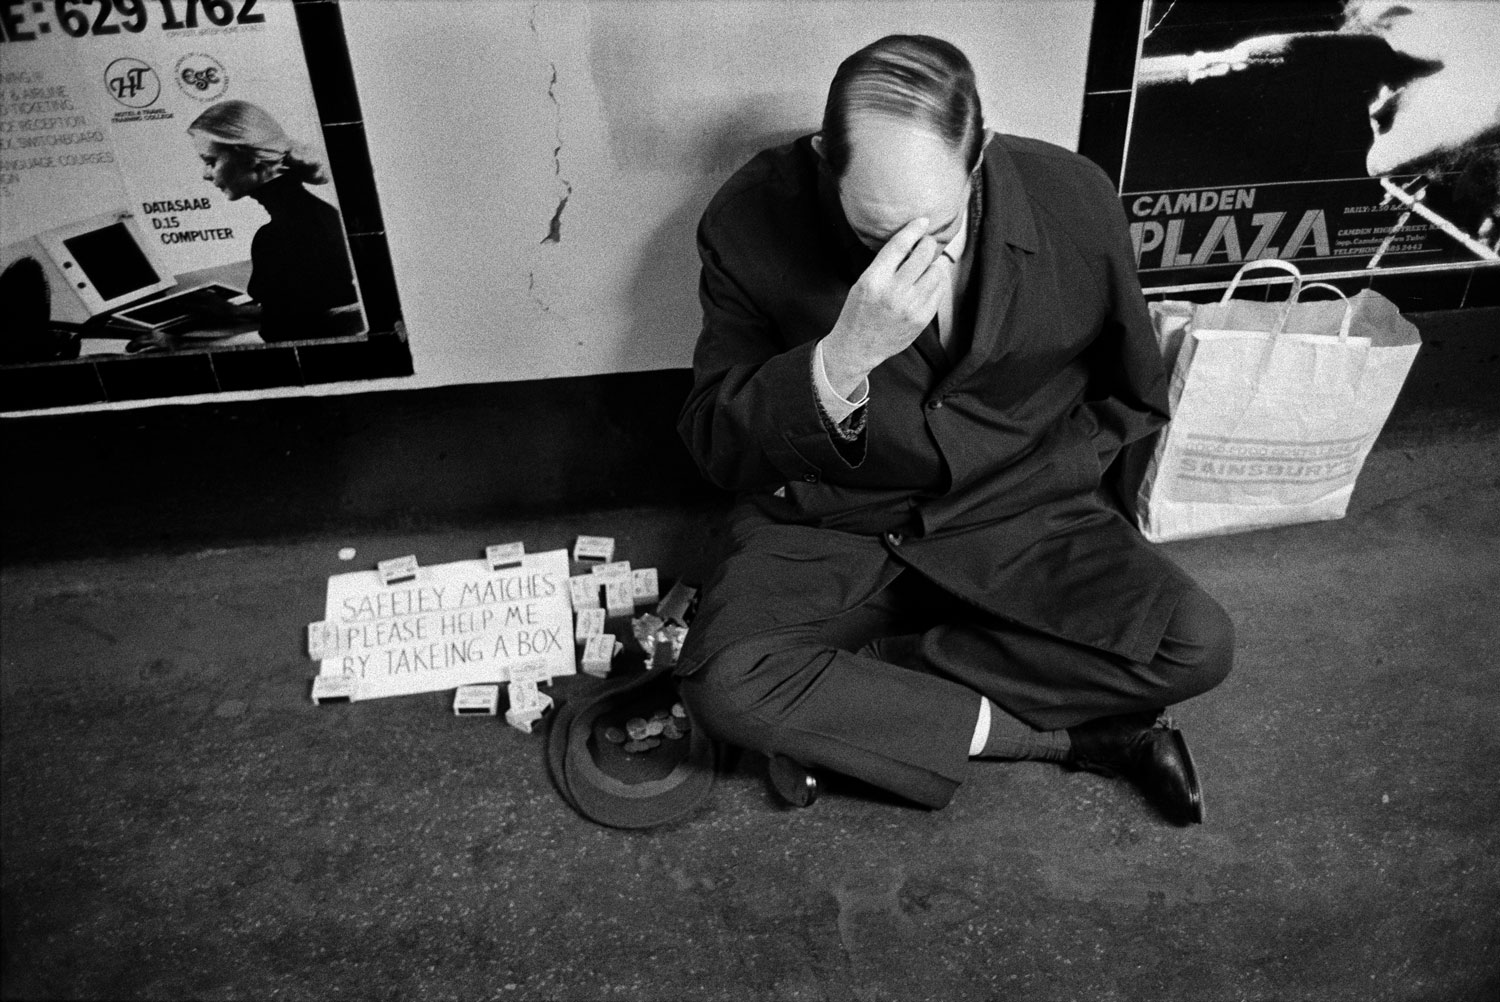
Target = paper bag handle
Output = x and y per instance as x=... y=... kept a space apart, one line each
x=1348 y=307
x=1279 y=265
x=1274 y=263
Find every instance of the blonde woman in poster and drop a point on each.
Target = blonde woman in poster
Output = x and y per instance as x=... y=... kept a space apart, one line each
x=301 y=282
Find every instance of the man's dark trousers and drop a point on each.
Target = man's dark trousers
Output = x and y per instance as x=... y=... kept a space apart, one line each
x=886 y=691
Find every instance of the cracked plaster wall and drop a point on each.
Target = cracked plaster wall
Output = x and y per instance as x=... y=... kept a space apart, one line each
x=542 y=166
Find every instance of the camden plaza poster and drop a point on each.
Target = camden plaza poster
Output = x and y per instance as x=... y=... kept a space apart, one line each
x=1350 y=137
x=96 y=97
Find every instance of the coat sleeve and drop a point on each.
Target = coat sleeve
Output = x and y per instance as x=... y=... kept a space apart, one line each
x=752 y=420
x=1127 y=389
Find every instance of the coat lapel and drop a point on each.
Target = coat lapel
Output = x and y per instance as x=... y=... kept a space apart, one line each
x=930 y=347
x=1007 y=238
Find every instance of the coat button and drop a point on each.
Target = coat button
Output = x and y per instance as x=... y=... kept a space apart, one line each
x=811 y=478
x=935 y=405
x=895 y=538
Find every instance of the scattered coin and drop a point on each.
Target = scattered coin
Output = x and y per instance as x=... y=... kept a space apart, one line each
x=614 y=735
x=637 y=728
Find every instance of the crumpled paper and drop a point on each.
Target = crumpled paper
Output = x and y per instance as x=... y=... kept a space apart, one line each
x=659 y=640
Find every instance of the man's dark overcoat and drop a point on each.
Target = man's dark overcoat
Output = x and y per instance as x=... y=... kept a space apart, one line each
x=979 y=466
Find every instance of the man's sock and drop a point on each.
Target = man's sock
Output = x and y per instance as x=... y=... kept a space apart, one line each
x=999 y=735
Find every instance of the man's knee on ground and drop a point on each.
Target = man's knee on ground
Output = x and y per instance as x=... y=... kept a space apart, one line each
x=1200 y=639
x=727 y=687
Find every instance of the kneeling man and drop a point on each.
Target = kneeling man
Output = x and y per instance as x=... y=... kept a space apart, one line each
x=922 y=345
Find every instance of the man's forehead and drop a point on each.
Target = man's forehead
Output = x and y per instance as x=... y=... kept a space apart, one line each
x=881 y=120
x=897 y=172
x=881 y=135
x=899 y=162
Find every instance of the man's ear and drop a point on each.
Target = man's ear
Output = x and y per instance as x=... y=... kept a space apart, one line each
x=817 y=145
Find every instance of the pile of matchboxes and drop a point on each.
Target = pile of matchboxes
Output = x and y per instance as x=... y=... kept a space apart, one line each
x=612 y=590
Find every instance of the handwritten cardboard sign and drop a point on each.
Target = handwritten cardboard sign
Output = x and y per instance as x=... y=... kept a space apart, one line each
x=450 y=625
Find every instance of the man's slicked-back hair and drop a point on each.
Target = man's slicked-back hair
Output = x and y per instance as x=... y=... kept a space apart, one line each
x=915 y=77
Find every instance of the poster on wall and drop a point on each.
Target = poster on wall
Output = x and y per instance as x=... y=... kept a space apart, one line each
x=1353 y=138
x=165 y=187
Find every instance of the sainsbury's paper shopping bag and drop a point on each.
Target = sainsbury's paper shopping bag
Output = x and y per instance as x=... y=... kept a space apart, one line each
x=1274 y=408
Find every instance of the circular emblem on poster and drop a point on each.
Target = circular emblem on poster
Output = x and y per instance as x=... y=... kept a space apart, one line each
x=132 y=82
x=201 y=76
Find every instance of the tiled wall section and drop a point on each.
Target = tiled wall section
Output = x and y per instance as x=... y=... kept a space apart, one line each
x=252 y=367
x=1412 y=293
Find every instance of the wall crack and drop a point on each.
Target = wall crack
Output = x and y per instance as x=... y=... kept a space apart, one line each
x=531 y=291
x=554 y=228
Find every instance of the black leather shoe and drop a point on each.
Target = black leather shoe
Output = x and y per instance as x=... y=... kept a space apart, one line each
x=793 y=783
x=1149 y=752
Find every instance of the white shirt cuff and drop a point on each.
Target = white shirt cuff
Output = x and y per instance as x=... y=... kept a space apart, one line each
x=836 y=407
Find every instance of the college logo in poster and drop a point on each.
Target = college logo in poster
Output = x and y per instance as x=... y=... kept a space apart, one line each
x=132 y=82
x=201 y=76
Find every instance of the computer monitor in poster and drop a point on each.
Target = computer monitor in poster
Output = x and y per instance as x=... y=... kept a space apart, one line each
x=105 y=261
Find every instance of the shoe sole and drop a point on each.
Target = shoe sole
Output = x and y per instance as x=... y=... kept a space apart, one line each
x=1197 y=812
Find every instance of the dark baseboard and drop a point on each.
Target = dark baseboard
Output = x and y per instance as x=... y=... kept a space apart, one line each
x=179 y=477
